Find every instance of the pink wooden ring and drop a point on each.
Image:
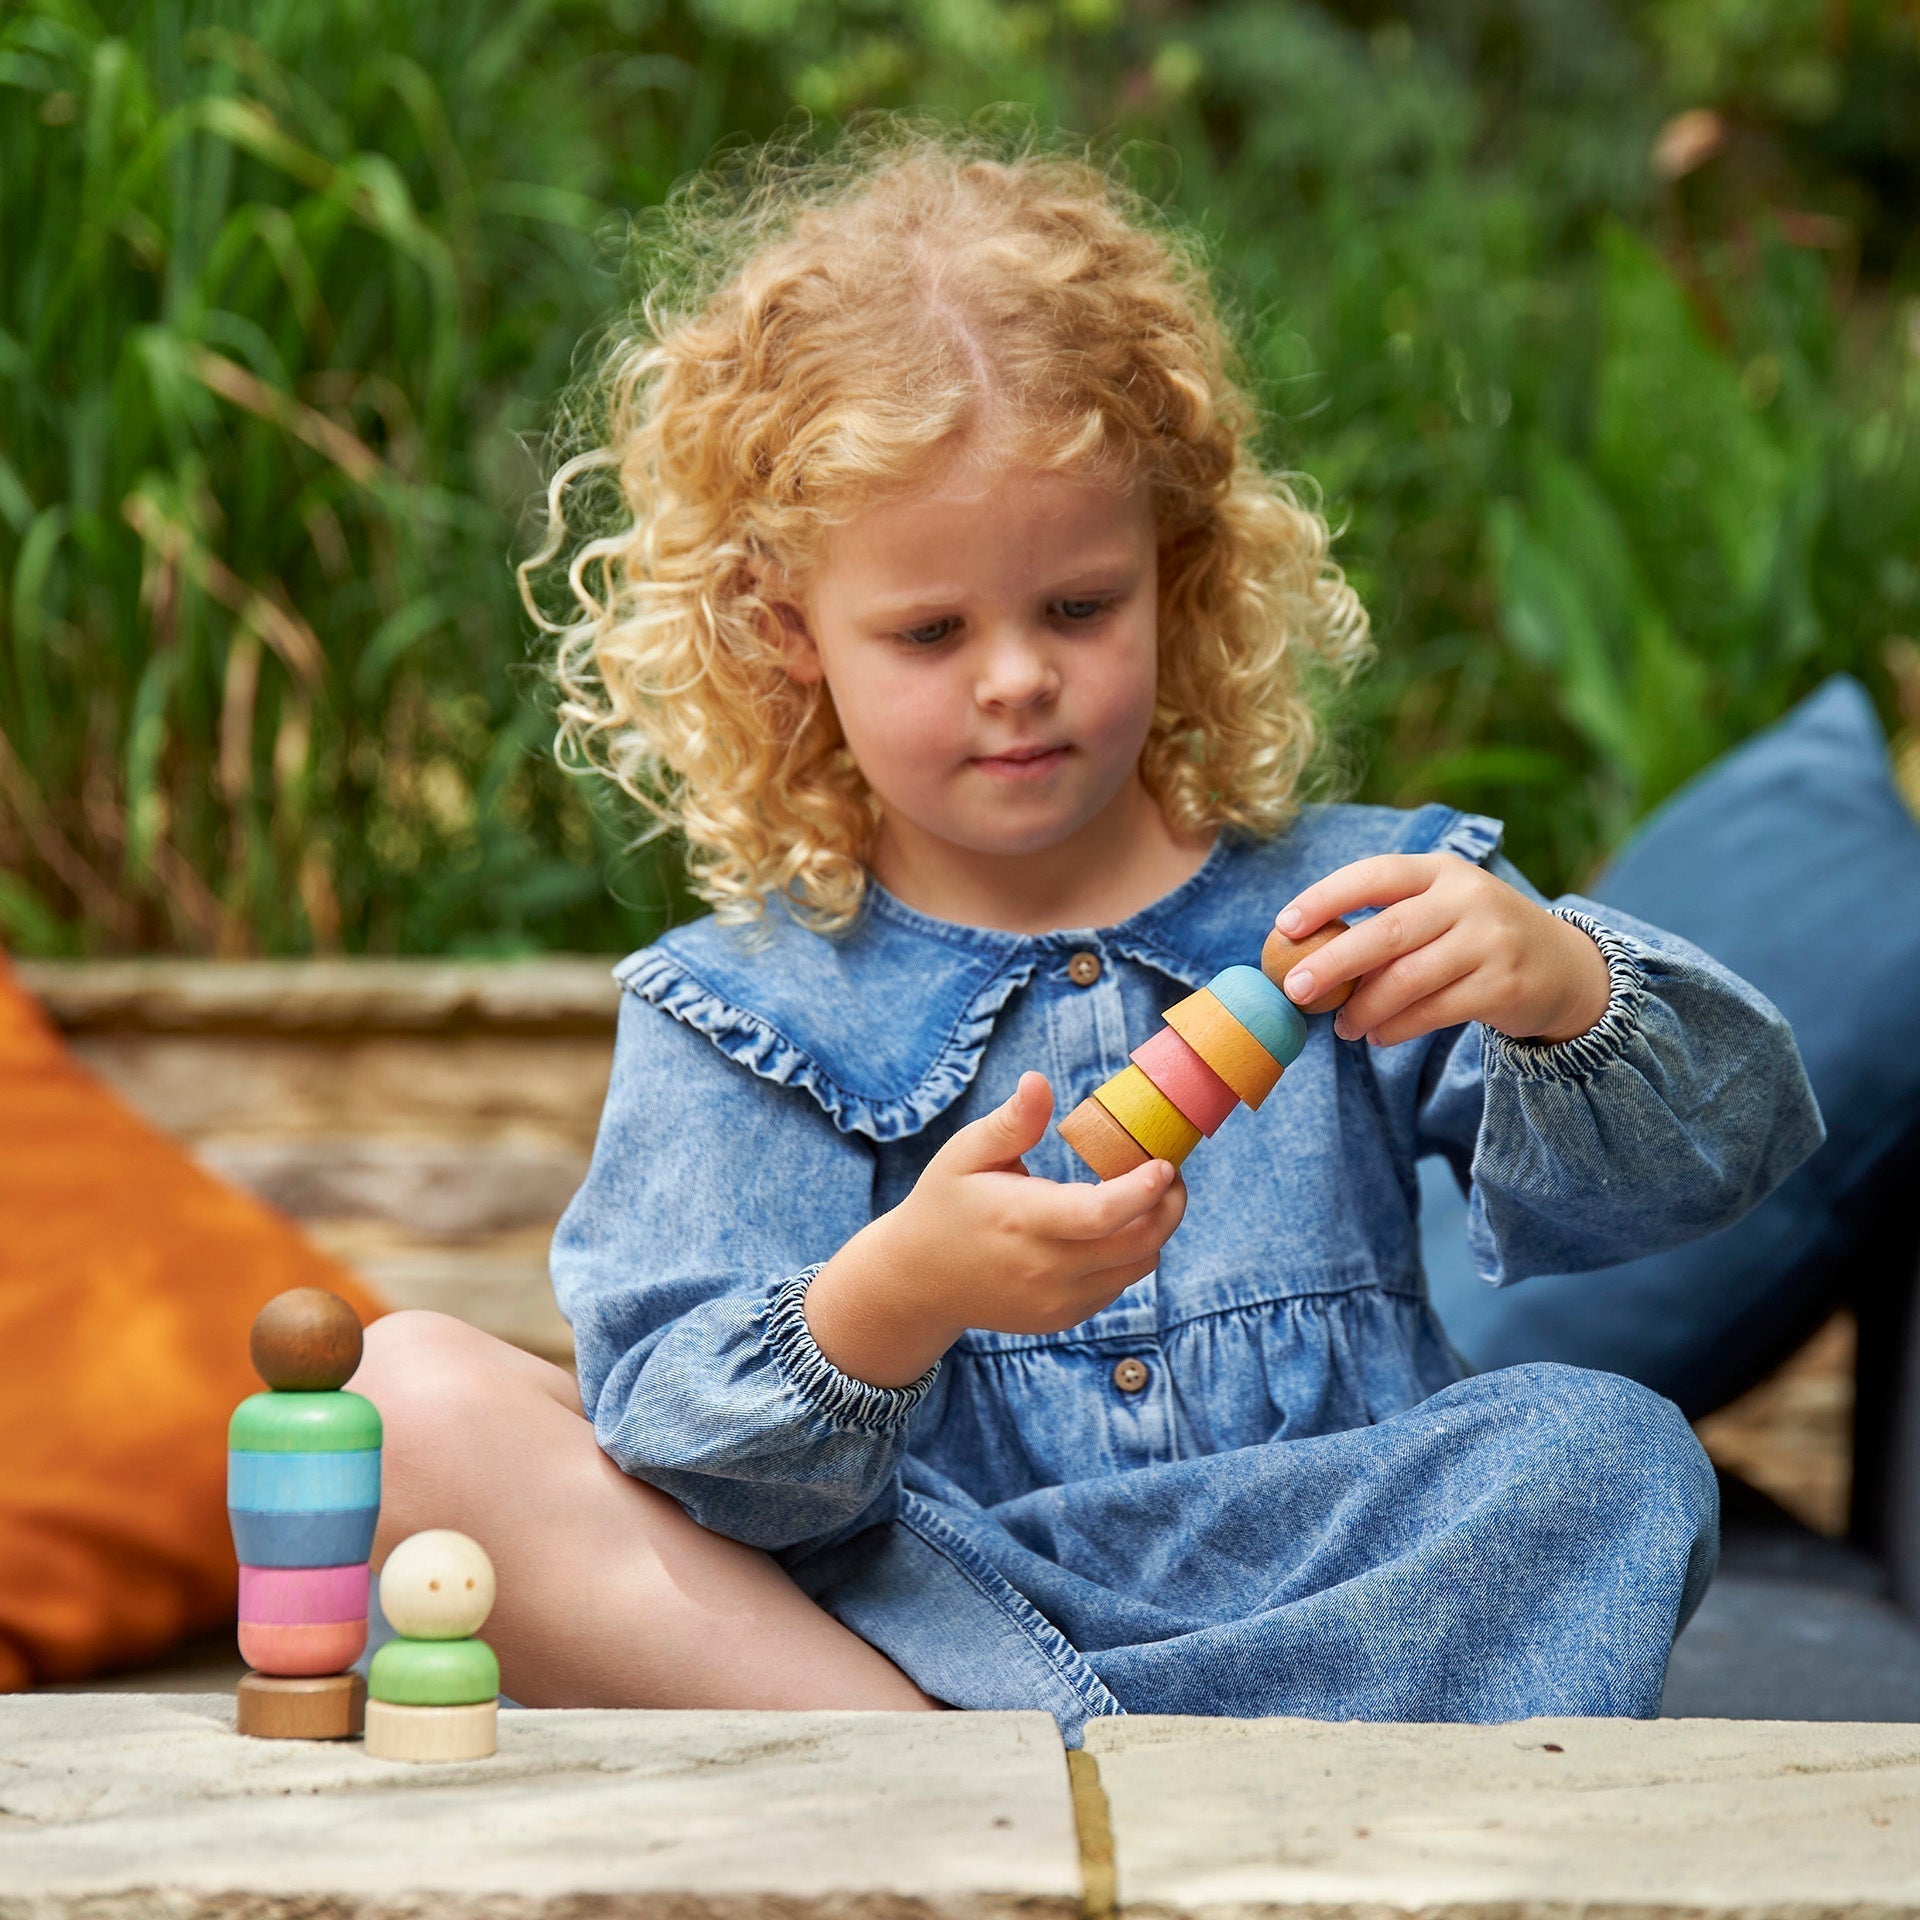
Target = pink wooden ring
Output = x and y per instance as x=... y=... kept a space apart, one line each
x=292 y=1651
x=1186 y=1080
x=303 y=1596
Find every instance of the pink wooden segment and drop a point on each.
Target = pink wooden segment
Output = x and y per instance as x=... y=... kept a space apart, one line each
x=326 y=1646
x=302 y=1596
x=1186 y=1080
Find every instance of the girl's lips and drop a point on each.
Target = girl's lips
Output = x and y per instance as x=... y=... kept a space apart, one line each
x=1029 y=767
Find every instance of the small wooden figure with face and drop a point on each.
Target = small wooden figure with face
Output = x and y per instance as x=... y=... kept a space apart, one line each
x=432 y=1693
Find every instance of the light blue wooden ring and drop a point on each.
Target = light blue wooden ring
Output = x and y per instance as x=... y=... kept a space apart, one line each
x=340 y=1539
x=303 y=1482
x=1263 y=1010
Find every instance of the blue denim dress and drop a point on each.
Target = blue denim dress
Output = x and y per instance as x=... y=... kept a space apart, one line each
x=1292 y=1502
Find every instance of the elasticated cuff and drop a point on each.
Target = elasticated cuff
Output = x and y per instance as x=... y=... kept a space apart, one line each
x=838 y=1398
x=1586 y=1053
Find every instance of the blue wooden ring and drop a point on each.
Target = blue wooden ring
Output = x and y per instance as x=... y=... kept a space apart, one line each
x=303 y=1482
x=1263 y=1010
x=341 y=1539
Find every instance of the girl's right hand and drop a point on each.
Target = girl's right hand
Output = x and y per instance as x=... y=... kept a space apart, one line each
x=980 y=1242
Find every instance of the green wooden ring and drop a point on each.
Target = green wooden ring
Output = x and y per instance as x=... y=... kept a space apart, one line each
x=336 y=1422
x=434 y=1673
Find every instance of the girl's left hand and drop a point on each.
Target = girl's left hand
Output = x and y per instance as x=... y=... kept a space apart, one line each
x=1451 y=942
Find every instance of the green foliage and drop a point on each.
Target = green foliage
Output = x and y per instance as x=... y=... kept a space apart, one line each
x=287 y=294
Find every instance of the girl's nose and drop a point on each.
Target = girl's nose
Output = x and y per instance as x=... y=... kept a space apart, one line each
x=1016 y=672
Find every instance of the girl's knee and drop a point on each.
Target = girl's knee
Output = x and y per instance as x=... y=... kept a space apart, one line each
x=444 y=1389
x=418 y=1363
x=1612 y=1445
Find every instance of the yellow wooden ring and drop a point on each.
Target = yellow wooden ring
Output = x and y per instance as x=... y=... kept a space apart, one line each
x=1148 y=1115
x=1225 y=1045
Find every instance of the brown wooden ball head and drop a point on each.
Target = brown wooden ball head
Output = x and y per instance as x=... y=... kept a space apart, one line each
x=1279 y=956
x=305 y=1340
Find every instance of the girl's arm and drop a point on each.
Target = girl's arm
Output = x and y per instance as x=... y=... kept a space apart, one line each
x=1680 y=1105
x=682 y=1263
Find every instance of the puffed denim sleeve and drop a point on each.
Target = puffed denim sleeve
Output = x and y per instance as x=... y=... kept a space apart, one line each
x=1684 y=1106
x=682 y=1263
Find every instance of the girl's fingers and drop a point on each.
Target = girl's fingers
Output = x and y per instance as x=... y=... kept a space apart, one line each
x=1403 y=927
x=1452 y=1006
x=1426 y=970
x=1376 y=882
x=1076 y=1210
x=997 y=1139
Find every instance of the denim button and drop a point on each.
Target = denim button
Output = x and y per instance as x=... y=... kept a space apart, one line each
x=1130 y=1375
x=1084 y=969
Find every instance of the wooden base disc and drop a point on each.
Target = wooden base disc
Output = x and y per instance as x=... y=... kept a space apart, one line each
x=1101 y=1141
x=1279 y=956
x=431 y=1733
x=328 y=1706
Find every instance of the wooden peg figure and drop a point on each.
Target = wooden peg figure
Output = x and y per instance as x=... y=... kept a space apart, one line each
x=433 y=1692
x=1226 y=1044
x=303 y=1497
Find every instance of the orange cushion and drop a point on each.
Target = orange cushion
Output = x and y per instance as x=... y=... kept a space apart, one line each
x=129 y=1279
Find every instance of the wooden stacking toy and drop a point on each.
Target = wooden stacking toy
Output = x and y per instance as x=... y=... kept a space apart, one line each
x=432 y=1693
x=303 y=1497
x=1227 y=1043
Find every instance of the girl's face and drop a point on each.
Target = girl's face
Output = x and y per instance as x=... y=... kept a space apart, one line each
x=990 y=643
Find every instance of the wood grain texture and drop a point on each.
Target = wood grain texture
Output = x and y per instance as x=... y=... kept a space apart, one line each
x=1225 y=1045
x=327 y=1707
x=291 y=1648
x=1279 y=956
x=431 y=1733
x=1193 y=1086
x=1101 y=1141
x=1147 y=1114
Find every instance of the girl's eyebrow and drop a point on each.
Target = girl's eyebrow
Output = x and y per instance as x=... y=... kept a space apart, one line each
x=1111 y=574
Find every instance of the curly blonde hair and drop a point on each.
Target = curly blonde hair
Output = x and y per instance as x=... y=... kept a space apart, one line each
x=822 y=331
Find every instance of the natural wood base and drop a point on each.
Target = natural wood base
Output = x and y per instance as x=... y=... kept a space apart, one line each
x=431 y=1733
x=328 y=1706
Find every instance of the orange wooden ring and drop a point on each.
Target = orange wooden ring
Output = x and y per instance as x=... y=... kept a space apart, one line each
x=1186 y=1080
x=299 y=1649
x=1147 y=1114
x=1225 y=1045
x=1279 y=956
x=1101 y=1141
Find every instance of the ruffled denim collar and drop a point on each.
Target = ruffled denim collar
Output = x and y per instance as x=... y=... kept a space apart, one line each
x=885 y=1025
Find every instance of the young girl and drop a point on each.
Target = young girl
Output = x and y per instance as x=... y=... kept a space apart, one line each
x=952 y=621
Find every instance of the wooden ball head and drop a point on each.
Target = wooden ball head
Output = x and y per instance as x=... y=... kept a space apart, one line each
x=1279 y=956
x=306 y=1340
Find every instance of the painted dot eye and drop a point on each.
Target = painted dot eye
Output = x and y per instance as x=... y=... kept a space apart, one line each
x=469 y=1583
x=433 y=1586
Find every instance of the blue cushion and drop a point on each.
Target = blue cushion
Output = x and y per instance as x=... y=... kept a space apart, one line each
x=1794 y=861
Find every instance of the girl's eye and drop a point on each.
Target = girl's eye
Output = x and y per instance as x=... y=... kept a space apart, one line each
x=930 y=635
x=1087 y=609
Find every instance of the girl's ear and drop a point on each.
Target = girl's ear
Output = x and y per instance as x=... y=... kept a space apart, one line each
x=794 y=640
x=790 y=635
